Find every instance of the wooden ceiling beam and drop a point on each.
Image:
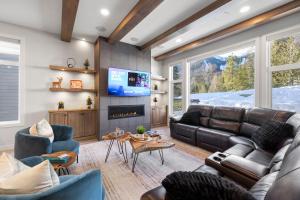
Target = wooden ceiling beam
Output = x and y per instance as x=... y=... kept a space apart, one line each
x=69 y=10
x=263 y=18
x=175 y=30
x=133 y=18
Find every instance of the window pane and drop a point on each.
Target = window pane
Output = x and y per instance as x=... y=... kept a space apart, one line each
x=9 y=81
x=285 y=51
x=177 y=72
x=177 y=98
x=226 y=79
x=286 y=90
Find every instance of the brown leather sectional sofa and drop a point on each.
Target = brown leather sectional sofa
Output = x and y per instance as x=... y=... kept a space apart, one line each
x=273 y=175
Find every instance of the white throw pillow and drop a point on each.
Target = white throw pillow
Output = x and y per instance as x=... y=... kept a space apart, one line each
x=43 y=129
x=9 y=166
x=32 y=180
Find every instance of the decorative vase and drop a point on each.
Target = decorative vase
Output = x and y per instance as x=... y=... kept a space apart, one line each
x=89 y=107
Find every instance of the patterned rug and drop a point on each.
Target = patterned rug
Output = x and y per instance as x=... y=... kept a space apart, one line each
x=120 y=183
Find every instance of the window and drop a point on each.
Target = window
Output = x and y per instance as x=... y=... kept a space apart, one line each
x=284 y=68
x=9 y=81
x=176 y=89
x=225 y=79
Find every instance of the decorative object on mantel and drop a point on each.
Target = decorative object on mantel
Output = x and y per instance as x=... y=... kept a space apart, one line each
x=61 y=105
x=71 y=62
x=57 y=84
x=155 y=87
x=76 y=84
x=89 y=102
x=155 y=100
x=86 y=64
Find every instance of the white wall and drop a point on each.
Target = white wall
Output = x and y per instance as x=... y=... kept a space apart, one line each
x=41 y=50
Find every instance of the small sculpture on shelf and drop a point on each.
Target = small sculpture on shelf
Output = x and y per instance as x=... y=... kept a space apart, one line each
x=155 y=87
x=86 y=64
x=71 y=62
x=57 y=84
x=155 y=100
x=89 y=102
x=61 y=105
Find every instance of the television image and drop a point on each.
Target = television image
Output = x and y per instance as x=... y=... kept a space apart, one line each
x=122 y=82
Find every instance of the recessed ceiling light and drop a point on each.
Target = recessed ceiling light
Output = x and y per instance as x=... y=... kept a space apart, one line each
x=101 y=28
x=105 y=12
x=244 y=9
x=178 y=40
x=134 y=39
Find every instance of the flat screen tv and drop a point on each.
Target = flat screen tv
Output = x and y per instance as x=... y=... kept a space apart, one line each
x=122 y=82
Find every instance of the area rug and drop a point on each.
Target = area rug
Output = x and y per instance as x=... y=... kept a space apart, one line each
x=120 y=183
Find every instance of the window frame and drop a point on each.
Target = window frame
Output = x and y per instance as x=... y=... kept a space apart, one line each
x=252 y=42
x=172 y=82
x=21 y=103
x=267 y=41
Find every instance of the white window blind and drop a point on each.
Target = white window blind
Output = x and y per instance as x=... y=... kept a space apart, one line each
x=9 y=80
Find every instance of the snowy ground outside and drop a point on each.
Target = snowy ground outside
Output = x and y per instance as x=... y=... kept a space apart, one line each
x=284 y=98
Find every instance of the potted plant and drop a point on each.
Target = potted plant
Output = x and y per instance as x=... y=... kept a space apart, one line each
x=140 y=131
x=86 y=64
x=89 y=102
x=61 y=105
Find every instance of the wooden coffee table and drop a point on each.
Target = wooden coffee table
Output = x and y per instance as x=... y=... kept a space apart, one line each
x=62 y=168
x=153 y=144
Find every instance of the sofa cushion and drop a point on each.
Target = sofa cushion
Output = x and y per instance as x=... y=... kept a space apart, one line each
x=278 y=157
x=184 y=132
x=228 y=113
x=260 y=156
x=224 y=125
x=271 y=134
x=9 y=166
x=196 y=185
x=205 y=112
x=240 y=150
x=69 y=145
x=260 y=189
x=233 y=140
x=214 y=137
x=248 y=129
x=294 y=121
x=191 y=118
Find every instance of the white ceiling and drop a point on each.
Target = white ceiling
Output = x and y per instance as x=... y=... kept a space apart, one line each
x=45 y=15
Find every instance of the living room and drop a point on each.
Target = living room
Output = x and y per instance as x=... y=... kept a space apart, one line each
x=149 y=99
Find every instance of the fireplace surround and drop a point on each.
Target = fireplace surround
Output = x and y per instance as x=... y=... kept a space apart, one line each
x=125 y=111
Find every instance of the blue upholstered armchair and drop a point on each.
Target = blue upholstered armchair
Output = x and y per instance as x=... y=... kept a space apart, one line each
x=87 y=186
x=27 y=145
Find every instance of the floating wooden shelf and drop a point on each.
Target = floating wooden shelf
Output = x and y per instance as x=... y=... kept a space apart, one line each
x=71 y=90
x=71 y=110
x=158 y=92
x=158 y=78
x=75 y=69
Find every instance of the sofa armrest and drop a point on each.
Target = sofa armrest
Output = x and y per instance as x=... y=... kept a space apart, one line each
x=27 y=145
x=62 y=133
x=32 y=161
x=245 y=167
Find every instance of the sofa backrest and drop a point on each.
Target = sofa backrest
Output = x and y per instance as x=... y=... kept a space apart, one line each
x=287 y=182
x=205 y=111
x=226 y=118
x=255 y=117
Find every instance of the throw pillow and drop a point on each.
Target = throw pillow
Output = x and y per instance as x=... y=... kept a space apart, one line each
x=32 y=180
x=9 y=166
x=197 y=186
x=271 y=134
x=43 y=129
x=191 y=118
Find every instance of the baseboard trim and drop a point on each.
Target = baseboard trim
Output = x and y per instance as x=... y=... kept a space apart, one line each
x=7 y=147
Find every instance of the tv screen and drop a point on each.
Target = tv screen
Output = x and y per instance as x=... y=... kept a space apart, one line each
x=122 y=82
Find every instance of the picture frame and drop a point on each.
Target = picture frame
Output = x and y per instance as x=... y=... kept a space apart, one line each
x=76 y=84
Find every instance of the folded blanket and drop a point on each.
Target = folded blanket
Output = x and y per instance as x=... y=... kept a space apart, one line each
x=202 y=186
